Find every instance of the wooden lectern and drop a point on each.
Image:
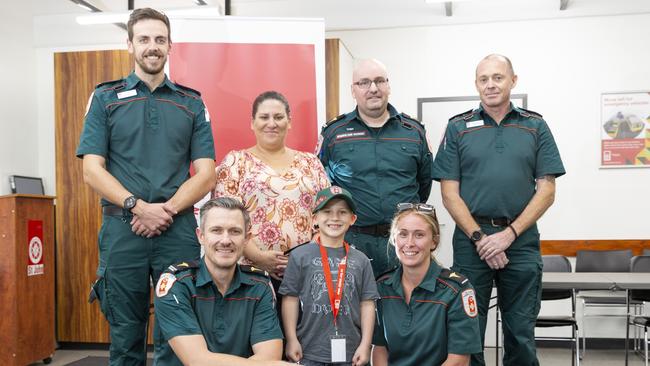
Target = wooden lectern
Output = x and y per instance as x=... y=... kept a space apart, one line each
x=26 y=279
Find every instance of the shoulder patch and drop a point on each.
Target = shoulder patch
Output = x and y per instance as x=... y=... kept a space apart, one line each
x=111 y=83
x=187 y=88
x=447 y=274
x=469 y=303
x=385 y=275
x=334 y=120
x=527 y=113
x=165 y=283
x=254 y=270
x=182 y=266
x=463 y=116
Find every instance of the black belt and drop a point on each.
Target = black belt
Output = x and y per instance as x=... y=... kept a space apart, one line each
x=494 y=221
x=112 y=210
x=374 y=230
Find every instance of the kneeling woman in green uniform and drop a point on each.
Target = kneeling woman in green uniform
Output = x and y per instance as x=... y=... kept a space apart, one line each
x=427 y=315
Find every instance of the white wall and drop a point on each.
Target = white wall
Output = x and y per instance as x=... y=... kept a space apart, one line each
x=19 y=136
x=563 y=66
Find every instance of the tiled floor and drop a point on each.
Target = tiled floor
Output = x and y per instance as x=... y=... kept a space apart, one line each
x=547 y=356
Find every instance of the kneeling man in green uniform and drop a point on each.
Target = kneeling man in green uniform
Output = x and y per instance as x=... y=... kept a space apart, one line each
x=214 y=311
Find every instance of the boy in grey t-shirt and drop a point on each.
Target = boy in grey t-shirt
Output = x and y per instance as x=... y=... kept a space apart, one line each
x=337 y=321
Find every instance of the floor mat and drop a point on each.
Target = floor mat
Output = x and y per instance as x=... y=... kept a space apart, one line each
x=97 y=361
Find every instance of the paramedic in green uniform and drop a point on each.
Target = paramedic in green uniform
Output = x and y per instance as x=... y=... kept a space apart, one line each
x=380 y=156
x=139 y=138
x=214 y=311
x=427 y=314
x=497 y=166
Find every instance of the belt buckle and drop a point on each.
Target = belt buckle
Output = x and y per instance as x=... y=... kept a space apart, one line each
x=493 y=223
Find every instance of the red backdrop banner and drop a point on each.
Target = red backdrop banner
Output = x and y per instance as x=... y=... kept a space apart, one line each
x=230 y=76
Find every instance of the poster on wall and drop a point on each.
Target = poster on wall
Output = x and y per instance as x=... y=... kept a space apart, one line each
x=625 y=130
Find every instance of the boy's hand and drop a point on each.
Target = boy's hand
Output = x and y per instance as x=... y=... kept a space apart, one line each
x=293 y=350
x=361 y=356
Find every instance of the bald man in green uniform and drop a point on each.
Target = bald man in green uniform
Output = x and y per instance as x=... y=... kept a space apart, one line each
x=379 y=155
x=497 y=166
x=140 y=135
x=214 y=311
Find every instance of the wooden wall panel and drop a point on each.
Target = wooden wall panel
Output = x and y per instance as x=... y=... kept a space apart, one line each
x=332 y=78
x=570 y=247
x=78 y=212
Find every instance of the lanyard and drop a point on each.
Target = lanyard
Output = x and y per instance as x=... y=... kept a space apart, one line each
x=335 y=297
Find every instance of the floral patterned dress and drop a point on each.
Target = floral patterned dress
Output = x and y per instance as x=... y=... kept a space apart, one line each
x=280 y=205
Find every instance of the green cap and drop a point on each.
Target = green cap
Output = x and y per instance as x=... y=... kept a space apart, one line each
x=327 y=194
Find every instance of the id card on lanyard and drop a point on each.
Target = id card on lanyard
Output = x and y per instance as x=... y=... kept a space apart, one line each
x=337 y=341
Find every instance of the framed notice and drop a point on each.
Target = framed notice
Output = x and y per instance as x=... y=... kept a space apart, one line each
x=625 y=130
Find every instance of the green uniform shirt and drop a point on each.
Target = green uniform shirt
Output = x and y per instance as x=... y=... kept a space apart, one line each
x=440 y=319
x=497 y=165
x=380 y=167
x=189 y=303
x=147 y=138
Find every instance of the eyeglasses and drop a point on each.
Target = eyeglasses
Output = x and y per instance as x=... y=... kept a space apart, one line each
x=420 y=207
x=365 y=83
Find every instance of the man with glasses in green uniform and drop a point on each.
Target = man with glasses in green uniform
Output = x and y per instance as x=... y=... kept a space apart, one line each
x=379 y=155
x=497 y=166
x=214 y=311
x=140 y=135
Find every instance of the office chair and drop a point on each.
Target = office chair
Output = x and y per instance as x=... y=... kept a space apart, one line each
x=601 y=261
x=559 y=263
x=638 y=264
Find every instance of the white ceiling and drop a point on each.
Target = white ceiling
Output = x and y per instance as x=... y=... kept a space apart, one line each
x=365 y=14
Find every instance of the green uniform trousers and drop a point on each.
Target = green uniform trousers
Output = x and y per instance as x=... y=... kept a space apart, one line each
x=519 y=292
x=128 y=265
x=376 y=248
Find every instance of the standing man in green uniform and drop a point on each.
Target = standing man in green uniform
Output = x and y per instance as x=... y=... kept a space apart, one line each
x=380 y=156
x=215 y=311
x=140 y=135
x=497 y=165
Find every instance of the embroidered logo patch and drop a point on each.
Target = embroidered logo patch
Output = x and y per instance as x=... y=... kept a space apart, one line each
x=348 y=135
x=165 y=282
x=469 y=303
x=336 y=190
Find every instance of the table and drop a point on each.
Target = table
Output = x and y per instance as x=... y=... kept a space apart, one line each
x=613 y=281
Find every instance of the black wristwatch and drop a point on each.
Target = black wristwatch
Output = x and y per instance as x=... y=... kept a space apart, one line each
x=129 y=203
x=476 y=236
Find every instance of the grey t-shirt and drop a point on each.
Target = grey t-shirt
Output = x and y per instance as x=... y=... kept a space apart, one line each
x=304 y=279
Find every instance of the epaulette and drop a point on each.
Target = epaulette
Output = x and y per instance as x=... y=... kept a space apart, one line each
x=334 y=120
x=188 y=89
x=464 y=116
x=105 y=83
x=402 y=114
x=182 y=266
x=254 y=270
x=527 y=113
x=447 y=274
x=385 y=275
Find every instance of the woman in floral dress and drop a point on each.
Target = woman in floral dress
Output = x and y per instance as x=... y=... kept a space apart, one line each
x=276 y=184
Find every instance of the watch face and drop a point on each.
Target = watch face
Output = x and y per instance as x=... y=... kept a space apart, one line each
x=129 y=203
x=476 y=236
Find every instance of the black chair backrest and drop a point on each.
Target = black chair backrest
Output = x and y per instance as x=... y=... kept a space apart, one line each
x=640 y=264
x=603 y=260
x=556 y=263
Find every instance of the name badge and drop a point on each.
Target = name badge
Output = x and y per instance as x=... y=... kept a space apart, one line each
x=474 y=124
x=338 y=348
x=127 y=93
